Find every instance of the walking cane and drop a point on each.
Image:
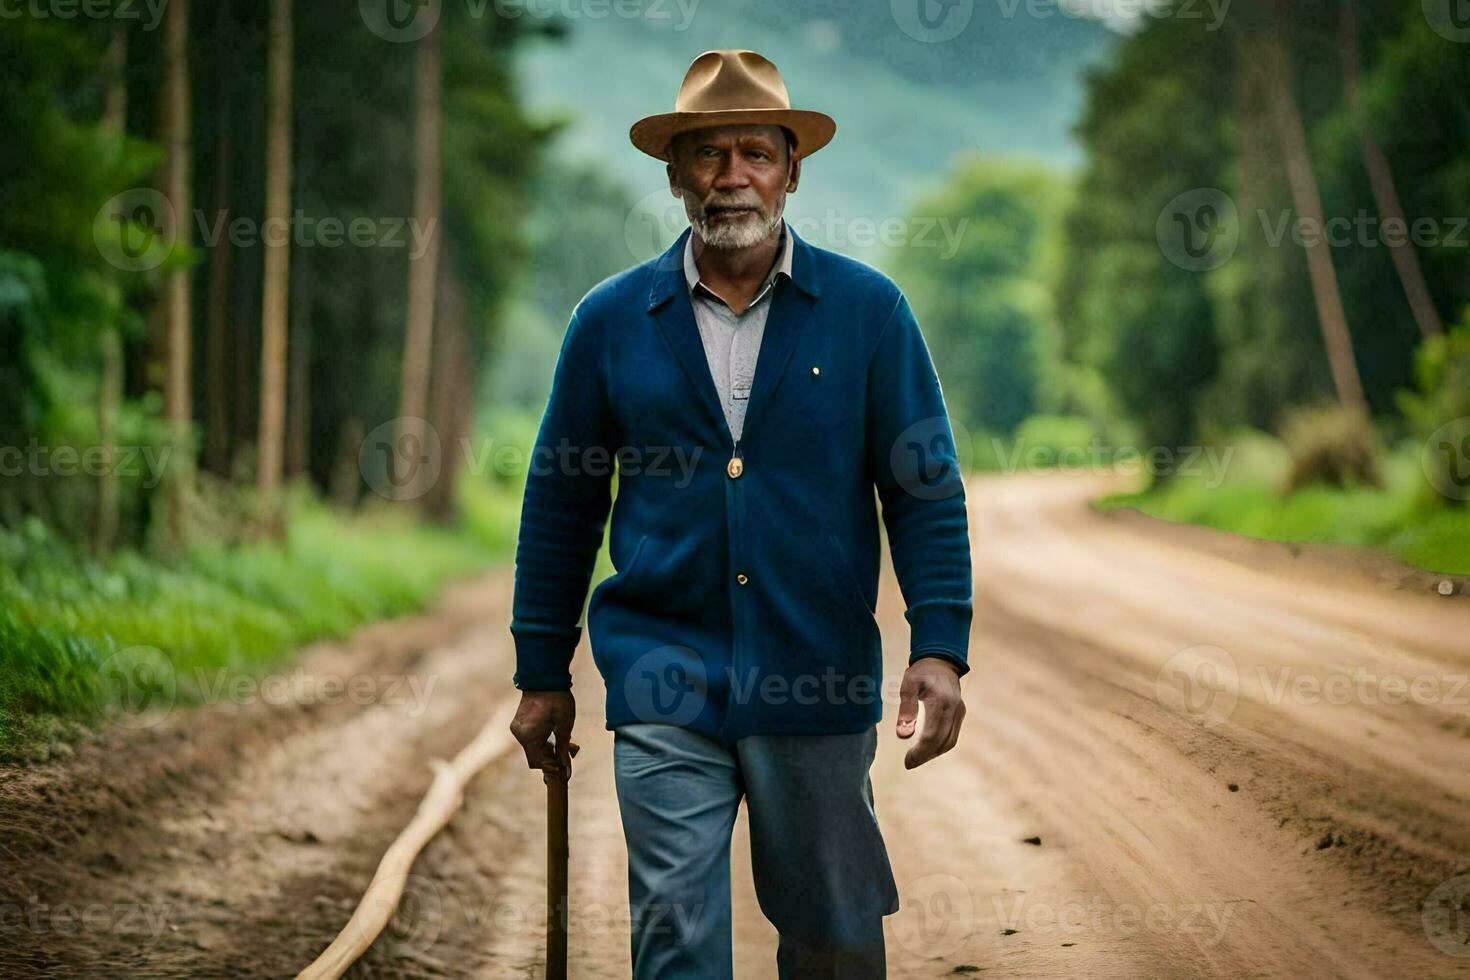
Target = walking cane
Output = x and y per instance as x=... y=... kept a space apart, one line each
x=557 y=911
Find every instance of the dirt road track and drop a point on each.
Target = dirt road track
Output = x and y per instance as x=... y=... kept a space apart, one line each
x=1145 y=701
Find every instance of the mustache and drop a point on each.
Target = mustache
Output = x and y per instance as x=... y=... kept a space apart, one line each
x=715 y=205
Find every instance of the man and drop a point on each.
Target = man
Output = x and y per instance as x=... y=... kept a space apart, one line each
x=753 y=391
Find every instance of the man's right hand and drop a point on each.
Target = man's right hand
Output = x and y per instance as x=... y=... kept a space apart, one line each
x=541 y=715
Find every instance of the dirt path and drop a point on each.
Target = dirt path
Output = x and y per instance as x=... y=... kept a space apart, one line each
x=1239 y=760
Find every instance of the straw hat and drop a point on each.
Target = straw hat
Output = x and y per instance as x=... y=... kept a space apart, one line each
x=726 y=88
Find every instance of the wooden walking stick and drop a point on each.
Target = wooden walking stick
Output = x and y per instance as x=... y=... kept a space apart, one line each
x=557 y=911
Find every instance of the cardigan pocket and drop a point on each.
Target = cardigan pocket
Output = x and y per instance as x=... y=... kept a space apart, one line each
x=628 y=576
x=852 y=593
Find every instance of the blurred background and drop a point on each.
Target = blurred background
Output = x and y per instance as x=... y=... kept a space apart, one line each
x=282 y=284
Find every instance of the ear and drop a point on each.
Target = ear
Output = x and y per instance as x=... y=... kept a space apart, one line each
x=795 y=177
x=673 y=175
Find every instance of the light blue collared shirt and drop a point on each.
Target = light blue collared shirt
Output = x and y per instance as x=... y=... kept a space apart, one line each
x=732 y=341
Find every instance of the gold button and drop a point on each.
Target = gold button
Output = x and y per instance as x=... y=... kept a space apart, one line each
x=816 y=371
x=742 y=578
x=735 y=467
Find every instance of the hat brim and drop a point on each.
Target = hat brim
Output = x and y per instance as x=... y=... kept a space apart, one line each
x=653 y=134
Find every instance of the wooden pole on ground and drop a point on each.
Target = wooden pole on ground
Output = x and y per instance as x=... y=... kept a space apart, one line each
x=440 y=804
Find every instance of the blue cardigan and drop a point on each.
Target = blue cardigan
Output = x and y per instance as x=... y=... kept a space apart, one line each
x=747 y=573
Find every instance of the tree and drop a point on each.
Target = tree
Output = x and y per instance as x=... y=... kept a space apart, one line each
x=1380 y=176
x=1292 y=137
x=178 y=188
x=276 y=284
x=109 y=395
x=427 y=207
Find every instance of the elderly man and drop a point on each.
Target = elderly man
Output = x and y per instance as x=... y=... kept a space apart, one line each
x=751 y=391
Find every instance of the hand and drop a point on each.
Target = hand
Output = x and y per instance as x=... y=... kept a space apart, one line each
x=936 y=682
x=541 y=715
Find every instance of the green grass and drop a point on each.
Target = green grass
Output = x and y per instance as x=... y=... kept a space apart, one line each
x=1400 y=518
x=67 y=621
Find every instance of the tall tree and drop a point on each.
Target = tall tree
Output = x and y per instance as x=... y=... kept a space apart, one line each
x=453 y=394
x=217 y=315
x=276 y=285
x=178 y=187
x=109 y=398
x=1380 y=177
x=423 y=275
x=1307 y=199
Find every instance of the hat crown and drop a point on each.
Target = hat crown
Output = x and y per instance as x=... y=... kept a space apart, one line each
x=723 y=80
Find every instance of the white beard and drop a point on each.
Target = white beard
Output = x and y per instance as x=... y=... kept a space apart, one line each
x=741 y=233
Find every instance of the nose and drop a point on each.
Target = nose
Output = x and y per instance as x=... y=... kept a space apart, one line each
x=732 y=174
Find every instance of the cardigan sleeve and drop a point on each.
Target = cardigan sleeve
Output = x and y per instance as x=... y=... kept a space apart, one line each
x=914 y=462
x=563 y=514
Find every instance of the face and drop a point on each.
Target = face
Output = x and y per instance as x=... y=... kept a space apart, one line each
x=733 y=181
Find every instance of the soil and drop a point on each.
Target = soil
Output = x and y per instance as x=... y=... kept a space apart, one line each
x=1186 y=754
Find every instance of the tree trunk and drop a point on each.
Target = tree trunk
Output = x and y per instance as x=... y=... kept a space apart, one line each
x=276 y=285
x=298 y=401
x=453 y=394
x=423 y=269
x=1380 y=176
x=109 y=394
x=217 y=433
x=1308 y=202
x=178 y=163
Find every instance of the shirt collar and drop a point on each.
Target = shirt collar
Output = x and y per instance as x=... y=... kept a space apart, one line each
x=783 y=261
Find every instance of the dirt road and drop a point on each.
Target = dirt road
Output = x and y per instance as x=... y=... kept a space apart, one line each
x=1186 y=755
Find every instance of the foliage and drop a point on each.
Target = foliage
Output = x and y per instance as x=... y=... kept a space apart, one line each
x=1392 y=518
x=1441 y=396
x=62 y=614
x=983 y=298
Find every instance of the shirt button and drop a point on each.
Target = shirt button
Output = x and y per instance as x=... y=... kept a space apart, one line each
x=742 y=578
x=735 y=467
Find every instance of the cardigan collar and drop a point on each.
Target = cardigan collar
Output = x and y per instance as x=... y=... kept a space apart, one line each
x=669 y=277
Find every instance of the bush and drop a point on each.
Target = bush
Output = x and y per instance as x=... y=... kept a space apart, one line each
x=1441 y=394
x=1331 y=446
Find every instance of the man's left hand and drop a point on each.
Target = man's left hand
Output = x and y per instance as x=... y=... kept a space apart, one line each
x=935 y=682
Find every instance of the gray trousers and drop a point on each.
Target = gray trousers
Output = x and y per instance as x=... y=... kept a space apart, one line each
x=821 y=871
